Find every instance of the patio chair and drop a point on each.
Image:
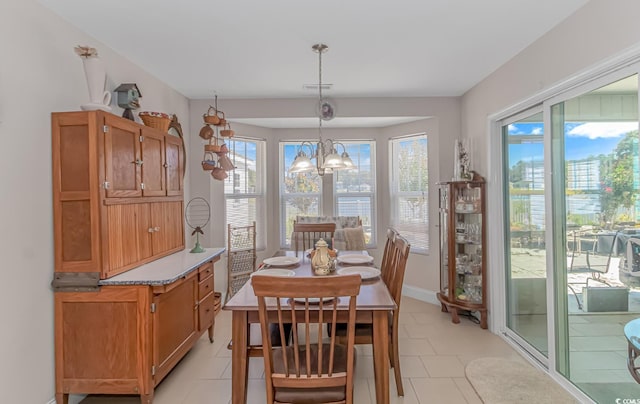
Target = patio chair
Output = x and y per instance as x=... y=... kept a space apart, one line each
x=593 y=261
x=305 y=371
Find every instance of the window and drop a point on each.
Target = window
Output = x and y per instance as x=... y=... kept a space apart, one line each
x=352 y=192
x=355 y=190
x=409 y=189
x=244 y=189
x=300 y=194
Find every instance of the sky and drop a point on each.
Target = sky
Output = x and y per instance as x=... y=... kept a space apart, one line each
x=582 y=139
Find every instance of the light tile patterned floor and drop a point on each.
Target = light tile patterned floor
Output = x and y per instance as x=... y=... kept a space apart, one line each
x=433 y=354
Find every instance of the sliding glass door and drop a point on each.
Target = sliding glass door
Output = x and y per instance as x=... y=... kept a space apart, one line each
x=596 y=218
x=570 y=178
x=524 y=218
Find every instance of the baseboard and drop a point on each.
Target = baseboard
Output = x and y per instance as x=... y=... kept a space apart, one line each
x=425 y=295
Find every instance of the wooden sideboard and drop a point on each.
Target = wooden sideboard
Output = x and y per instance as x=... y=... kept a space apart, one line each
x=125 y=337
x=130 y=301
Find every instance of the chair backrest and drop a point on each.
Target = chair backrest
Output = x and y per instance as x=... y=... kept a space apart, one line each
x=307 y=364
x=306 y=234
x=396 y=267
x=591 y=252
x=632 y=252
x=387 y=254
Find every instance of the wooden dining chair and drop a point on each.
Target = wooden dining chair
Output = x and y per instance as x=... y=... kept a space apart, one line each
x=394 y=262
x=306 y=371
x=306 y=234
x=387 y=254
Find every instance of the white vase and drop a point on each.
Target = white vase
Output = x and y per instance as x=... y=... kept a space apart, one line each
x=96 y=79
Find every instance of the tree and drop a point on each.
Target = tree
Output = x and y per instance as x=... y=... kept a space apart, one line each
x=299 y=184
x=413 y=158
x=518 y=173
x=617 y=178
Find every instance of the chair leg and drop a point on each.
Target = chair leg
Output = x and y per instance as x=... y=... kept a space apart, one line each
x=395 y=360
x=576 y=296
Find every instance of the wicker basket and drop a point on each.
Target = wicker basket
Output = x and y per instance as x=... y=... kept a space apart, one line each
x=211 y=117
x=227 y=132
x=157 y=122
x=213 y=145
x=208 y=162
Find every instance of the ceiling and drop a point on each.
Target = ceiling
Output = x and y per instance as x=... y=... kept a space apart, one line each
x=262 y=49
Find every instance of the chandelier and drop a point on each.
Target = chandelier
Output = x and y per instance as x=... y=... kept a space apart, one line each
x=324 y=151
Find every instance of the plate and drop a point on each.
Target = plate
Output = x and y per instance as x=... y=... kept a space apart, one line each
x=364 y=272
x=274 y=272
x=355 y=259
x=312 y=300
x=281 y=261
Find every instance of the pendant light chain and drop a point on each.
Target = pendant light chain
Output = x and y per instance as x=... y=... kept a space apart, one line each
x=320 y=50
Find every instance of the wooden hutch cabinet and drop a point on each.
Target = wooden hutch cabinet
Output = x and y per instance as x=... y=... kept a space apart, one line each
x=463 y=248
x=130 y=301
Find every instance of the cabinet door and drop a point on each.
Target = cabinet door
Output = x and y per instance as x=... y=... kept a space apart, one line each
x=100 y=341
x=128 y=239
x=153 y=163
x=175 y=325
x=76 y=209
x=174 y=164
x=122 y=158
x=168 y=226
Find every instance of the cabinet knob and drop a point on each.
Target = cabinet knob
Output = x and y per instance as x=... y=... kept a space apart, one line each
x=156 y=229
x=138 y=162
x=150 y=230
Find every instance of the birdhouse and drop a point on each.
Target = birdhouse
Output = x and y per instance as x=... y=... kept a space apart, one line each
x=128 y=95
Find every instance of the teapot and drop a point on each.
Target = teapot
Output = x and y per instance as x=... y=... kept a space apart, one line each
x=321 y=263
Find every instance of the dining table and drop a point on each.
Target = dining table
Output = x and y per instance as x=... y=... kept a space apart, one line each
x=373 y=304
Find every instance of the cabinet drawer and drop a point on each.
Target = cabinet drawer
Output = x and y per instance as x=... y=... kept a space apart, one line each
x=206 y=313
x=205 y=287
x=205 y=270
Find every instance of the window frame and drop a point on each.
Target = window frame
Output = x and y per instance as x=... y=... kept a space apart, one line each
x=259 y=193
x=283 y=197
x=372 y=194
x=395 y=194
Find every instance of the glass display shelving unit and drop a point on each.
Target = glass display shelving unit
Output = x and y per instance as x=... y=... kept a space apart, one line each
x=462 y=248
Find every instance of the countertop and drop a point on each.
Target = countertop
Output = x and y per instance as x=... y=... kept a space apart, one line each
x=164 y=270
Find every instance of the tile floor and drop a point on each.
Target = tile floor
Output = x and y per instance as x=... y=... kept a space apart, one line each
x=433 y=353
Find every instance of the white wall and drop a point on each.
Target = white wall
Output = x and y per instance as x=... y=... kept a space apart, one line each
x=597 y=31
x=39 y=74
x=444 y=126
